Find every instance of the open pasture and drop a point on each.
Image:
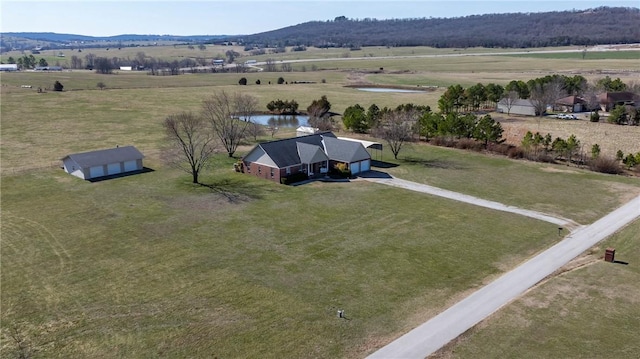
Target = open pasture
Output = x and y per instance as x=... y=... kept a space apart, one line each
x=153 y=266
x=149 y=265
x=589 y=311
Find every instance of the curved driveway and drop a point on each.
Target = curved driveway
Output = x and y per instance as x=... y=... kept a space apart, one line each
x=448 y=325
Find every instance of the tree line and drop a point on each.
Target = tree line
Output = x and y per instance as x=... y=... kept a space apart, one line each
x=602 y=25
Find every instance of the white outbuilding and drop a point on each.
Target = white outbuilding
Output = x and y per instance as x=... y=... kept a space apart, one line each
x=102 y=163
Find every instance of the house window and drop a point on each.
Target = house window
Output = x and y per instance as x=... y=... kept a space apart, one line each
x=288 y=170
x=259 y=170
x=272 y=173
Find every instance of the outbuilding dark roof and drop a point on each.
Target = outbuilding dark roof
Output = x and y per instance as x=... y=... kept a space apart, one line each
x=104 y=157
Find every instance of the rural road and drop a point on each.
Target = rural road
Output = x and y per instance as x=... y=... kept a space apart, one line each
x=448 y=325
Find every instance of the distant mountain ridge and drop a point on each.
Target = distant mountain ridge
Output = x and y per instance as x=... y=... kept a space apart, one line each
x=603 y=25
x=64 y=38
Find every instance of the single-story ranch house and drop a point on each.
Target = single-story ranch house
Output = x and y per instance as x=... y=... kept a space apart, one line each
x=312 y=155
x=101 y=163
x=609 y=100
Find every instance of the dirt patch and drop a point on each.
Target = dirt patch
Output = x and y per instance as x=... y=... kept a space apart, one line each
x=557 y=170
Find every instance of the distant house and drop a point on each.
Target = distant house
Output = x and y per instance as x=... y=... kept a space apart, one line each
x=101 y=163
x=48 y=68
x=8 y=67
x=609 y=100
x=518 y=107
x=570 y=104
x=312 y=155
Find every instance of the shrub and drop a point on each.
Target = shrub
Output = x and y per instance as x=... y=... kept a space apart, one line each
x=605 y=164
x=341 y=170
x=515 y=152
x=280 y=80
x=293 y=178
x=595 y=117
x=243 y=81
x=499 y=148
x=57 y=86
x=469 y=144
x=258 y=82
x=442 y=141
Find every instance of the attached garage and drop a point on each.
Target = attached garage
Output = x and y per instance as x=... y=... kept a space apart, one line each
x=103 y=163
x=355 y=168
x=365 y=166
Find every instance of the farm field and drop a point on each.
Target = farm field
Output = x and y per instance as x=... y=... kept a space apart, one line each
x=153 y=266
x=588 y=311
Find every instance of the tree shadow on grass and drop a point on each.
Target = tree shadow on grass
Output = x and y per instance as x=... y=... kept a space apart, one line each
x=235 y=190
x=434 y=163
x=382 y=164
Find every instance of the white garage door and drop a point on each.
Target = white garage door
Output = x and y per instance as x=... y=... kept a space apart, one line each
x=365 y=165
x=130 y=166
x=355 y=167
x=97 y=171
x=113 y=168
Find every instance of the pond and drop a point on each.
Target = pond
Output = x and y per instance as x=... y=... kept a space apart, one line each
x=383 y=89
x=280 y=120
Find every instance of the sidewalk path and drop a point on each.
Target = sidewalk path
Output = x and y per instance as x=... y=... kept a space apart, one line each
x=448 y=325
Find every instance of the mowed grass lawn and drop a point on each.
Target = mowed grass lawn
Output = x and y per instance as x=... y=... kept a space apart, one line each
x=151 y=266
x=590 y=312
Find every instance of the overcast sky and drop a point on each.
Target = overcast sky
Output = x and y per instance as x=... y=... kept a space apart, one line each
x=214 y=17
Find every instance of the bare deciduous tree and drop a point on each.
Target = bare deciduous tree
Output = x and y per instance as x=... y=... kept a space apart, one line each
x=395 y=129
x=255 y=130
x=270 y=65
x=509 y=100
x=192 y=143
x=545 y=94
x=229 y=117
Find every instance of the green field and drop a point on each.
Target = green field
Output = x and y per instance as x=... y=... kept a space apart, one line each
x=602 y=55
x=153 y=266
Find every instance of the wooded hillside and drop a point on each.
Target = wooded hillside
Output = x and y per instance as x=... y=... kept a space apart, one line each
x=604 y=25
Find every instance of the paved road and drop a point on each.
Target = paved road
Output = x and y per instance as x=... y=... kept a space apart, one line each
x=448 y=325
x=418 y=187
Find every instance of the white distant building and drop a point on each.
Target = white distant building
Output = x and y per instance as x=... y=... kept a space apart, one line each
x=306 y=130
x=126 y=68
x=8 y=67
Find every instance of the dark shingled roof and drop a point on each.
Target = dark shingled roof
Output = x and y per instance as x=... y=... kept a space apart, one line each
x=285 y=152
x=103 y=157
x=311 y=153
x=345 y=151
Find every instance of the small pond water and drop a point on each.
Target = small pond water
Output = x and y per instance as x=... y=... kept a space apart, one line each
x=280 y=120
x=382 y=89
